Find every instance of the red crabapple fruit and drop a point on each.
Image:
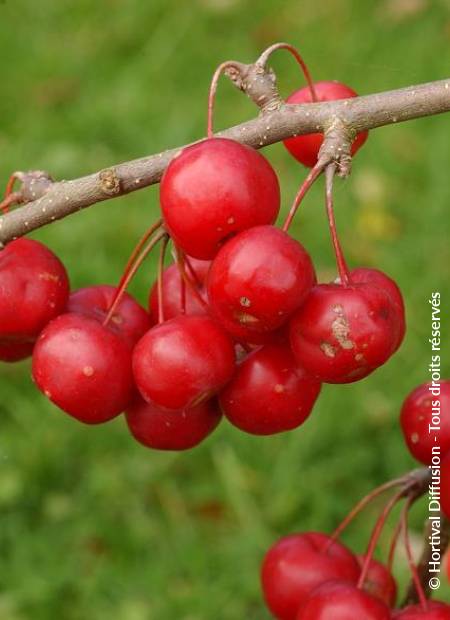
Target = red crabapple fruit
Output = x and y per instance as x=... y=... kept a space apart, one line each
x=34 y=288
x=269 y=392
x=297 y=564
x=343 y=333
x=340 y=600
x=130 y=320
x=16 y=351
x=257 y=280
x=214 y=189
x=378 y=278
x=416 y=418
x=84 y=368
x=182 y=362
x=172 y=291
x=379 y=581
x=161 y=429
x=306 y=148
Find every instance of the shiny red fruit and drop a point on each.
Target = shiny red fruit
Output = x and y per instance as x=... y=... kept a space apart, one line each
x=297 y=564
x=342 y=334
x=366 y=275
x=419 y=410
x=34 y=288
x=379 y=582
x=445 y=486
x=172 y=292
x=306 y=148
x=269 y=392
x=257 y=280
x=253 y=340
x=213 y=190
x=130 y=320
x=340 y=600
x=84 y=368
x=161 y=429
x=436 y=611
x=182 y=362
x=16 y=351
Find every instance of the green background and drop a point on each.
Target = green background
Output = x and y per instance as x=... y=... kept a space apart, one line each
x=94 y=526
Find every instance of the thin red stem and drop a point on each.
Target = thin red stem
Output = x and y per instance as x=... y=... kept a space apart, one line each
x=409 y=555
x=8 y=201
x=10 y=184
x=142 y=241
x=247 y=348
x=183 y=296
x=344 y=274
x=125 y=281
x=313 y=174
x=185 y=279
x=162 y=255
x=363 y=503
x=212 y=94
x=393 y=545
x=295 y=53
x=192 y=272
x=179 y=256
x=376 y=535
x=7 y=198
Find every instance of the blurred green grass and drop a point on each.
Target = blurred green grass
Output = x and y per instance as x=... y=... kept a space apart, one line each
x=92 y=525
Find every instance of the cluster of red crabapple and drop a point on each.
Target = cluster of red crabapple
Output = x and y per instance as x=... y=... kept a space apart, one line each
x=313 y=576
x=238 y=325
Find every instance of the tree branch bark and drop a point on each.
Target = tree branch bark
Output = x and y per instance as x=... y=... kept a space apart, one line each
x=357 y=114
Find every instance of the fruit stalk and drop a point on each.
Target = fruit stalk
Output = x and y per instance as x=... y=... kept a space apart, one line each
x=313 y=174
x=344 y=275
x=187 y=281
x=162 y=254
x=365 y=502
x=423 y=564
x=125 y=281
x=414 y=572
x=263 y=59
x=376 y=535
